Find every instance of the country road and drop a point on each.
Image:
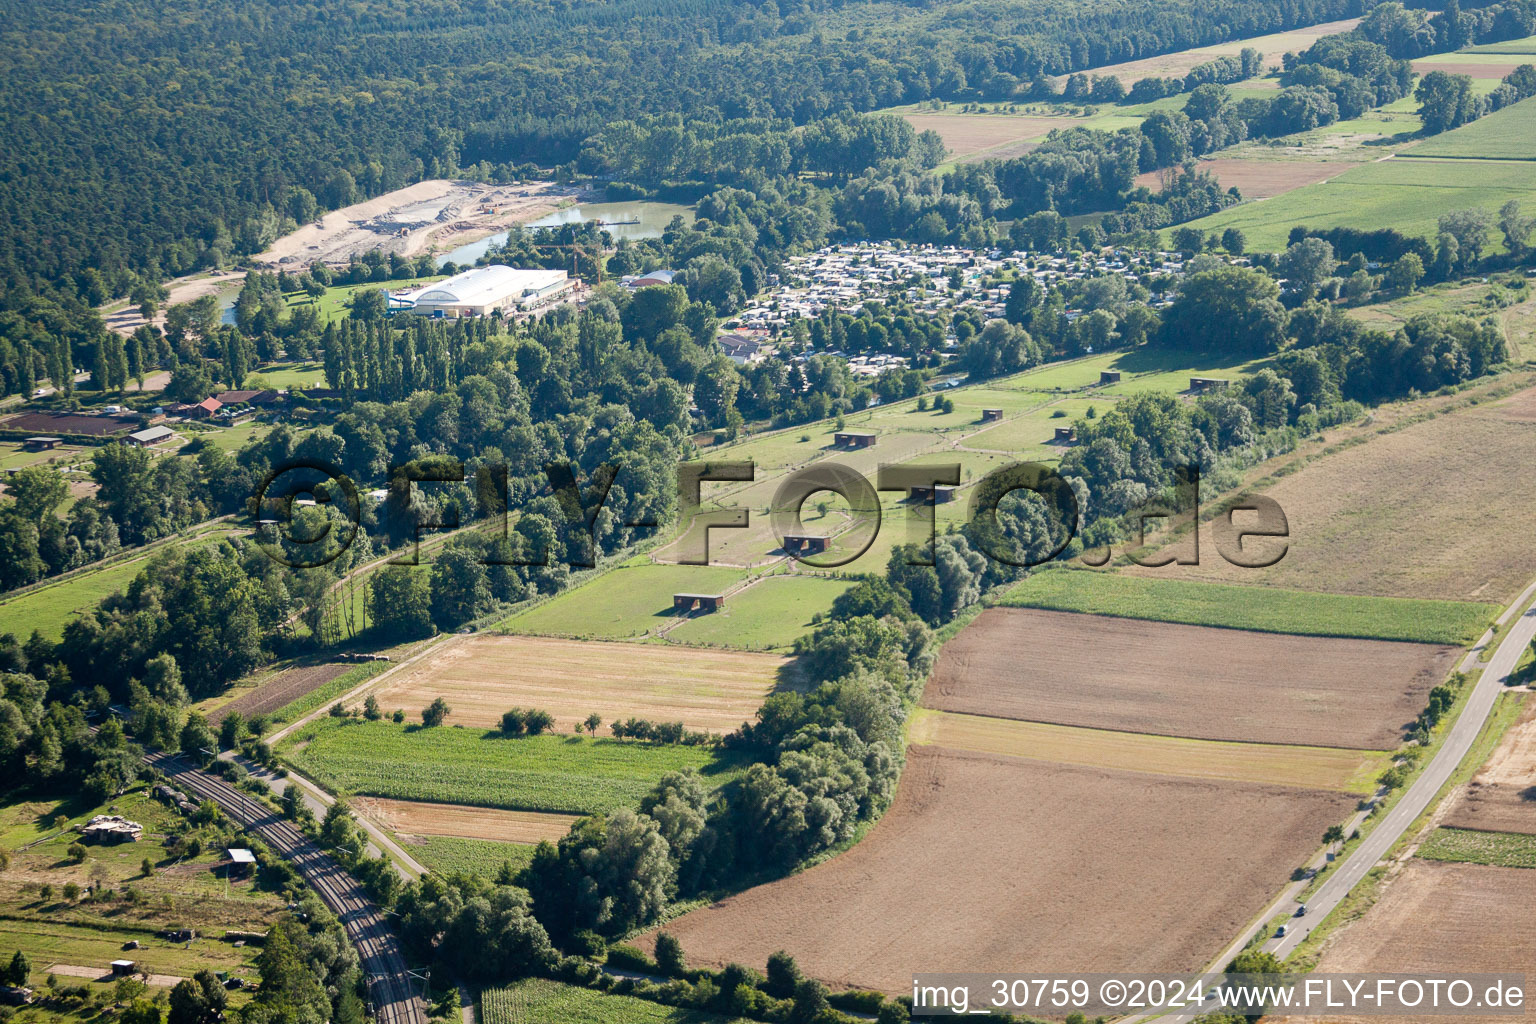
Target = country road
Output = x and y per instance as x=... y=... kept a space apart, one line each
x=1422 y=793
x=1415 y=801
x=389 y=985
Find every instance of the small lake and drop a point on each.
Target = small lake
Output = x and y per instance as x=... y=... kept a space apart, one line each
x=638 y=218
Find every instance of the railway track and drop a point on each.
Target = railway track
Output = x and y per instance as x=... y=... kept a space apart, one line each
x=378 y=947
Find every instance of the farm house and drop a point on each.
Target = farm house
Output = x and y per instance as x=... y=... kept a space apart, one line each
x=486 y=290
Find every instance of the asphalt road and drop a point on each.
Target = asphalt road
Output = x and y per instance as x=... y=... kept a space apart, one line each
x=1419 y=796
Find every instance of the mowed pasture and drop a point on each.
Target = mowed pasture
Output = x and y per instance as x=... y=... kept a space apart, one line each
x=1139 y=676
x=1266 y=609
x=424 y=818
x=538 y=1001
x=1502 y=795
x=1409 y=195
x=629 y=602
x=482 y=677
x=1437 y=919
x=562 y=774
x=1429 y=510
x=1084 y=869
x=1346 y=771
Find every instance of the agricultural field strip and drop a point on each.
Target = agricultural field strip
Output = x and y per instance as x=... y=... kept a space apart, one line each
x=1170 y=679
x=1501 y=797
x=1332 y=768
x=1265 y=609
x=483 y=676
x=423 y=818
x=560 y=774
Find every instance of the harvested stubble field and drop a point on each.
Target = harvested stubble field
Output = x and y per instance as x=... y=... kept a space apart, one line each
x=1260 y=179
x=561 y=774
x=1173 y=680
x=1430 y=510
x=967 y=135
x=1502 y=795
x=423 y=818
x=284 y=688
x=1437 y=918
x=1086 y=869
x=483 y=676
x=1272 y=46
x=1346 y=771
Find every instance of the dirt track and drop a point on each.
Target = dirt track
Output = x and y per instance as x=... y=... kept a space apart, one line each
x=1195 y=681
x=998 y=863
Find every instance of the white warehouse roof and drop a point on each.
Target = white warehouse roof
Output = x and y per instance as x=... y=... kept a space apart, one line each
x=485 y=286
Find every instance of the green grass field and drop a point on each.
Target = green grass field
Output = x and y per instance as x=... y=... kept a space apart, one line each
x=335 y=302
x=1508 y=134
x=769 y=615
x=1266 y=609
x=49 y=608
x=1465 y=846
x=537 y=1001
x=561 y=773
x=449 y=855
x=1408 y=195
x=1515 y=46
x=627 y=602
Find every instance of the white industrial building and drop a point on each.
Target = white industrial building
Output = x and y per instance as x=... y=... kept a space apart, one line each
x=484 y=290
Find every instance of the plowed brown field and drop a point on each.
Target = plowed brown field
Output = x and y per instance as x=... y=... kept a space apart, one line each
x=1260 y=179
x=283 y=688
x=999 y=863
x=481 y=677
x=1502 y=796
x=1173 y=680
x=1437 y=918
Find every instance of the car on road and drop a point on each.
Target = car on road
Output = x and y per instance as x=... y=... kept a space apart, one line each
x=1280 y=932
x=1301 y=911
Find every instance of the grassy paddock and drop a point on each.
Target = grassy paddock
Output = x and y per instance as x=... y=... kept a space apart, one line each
x=1465 y=846
x=1265 y=609
x=560 y=773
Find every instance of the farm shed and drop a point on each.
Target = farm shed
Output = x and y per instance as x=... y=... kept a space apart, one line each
x=150 y=435
x=123 y=968
x=854 y=439
x=804 y=544
x=15 y=995
x=939 y=494
x=1065 y=435
x=1109 y=376
x=204 y=409
x=42 y=444
x=700 y=602
x=241 y=862
x=1208 y=383
x=991 y=415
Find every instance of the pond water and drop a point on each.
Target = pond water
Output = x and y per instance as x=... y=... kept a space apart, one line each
x=638 y=218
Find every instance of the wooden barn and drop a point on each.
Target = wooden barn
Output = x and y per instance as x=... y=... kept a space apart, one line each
x=853 y=439
x=1065 y=435
x=804 y=544
x=991 y=415
x=1109 y=376
x=1203 y=384
x=686 y=603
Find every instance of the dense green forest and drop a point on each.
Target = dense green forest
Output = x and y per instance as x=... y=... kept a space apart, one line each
x=158 y=139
